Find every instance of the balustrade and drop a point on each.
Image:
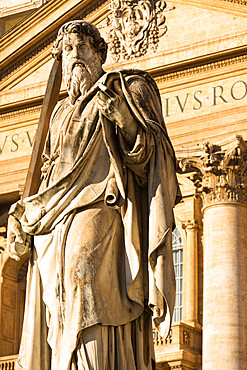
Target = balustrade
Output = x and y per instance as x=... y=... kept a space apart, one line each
x=8 y=362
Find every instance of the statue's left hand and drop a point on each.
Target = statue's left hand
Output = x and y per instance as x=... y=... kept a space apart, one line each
x=114 y=107
x=18 y=242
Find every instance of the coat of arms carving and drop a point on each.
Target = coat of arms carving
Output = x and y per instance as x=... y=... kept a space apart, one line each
x=136 y=26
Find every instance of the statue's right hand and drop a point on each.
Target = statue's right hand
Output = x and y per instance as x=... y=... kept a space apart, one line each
x=18 y=242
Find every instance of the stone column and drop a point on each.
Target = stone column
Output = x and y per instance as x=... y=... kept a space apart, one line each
x=223 y=184
x=190 y=304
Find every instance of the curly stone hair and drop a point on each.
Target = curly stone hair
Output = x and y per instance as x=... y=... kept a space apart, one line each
x=80 y=27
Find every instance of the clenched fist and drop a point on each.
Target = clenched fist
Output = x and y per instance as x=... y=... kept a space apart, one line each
x=18 y=242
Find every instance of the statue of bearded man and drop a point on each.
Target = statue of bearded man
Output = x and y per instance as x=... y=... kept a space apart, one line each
x=101 y=264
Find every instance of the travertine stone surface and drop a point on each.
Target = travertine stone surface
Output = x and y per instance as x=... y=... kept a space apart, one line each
x=190 y=305
x=225 y=286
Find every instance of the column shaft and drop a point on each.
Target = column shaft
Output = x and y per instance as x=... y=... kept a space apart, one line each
x=225 y=287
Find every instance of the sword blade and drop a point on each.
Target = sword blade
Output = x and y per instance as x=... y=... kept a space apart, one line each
x=50 y=99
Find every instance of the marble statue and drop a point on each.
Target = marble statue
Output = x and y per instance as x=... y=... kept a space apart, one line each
x=101 y=262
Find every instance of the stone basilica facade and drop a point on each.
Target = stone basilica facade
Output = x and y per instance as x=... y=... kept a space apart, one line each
x=196 y=50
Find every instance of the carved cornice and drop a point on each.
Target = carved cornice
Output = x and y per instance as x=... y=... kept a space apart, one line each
x=240 y=2
x=220 y=174
x=20 y=112
x=201 y=68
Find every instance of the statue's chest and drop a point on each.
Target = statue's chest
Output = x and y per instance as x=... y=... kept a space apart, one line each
x=71 y=125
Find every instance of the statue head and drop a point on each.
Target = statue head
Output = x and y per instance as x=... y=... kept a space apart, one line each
x=82 y=51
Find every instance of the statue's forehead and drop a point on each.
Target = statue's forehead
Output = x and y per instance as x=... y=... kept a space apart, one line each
x=73 y=37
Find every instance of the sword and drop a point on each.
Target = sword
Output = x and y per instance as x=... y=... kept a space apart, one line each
x=50 y=99
x=34 y=170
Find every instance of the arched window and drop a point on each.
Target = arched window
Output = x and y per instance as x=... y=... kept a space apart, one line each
x=177 y=247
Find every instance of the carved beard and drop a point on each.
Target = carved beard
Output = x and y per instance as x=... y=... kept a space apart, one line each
x=80 y=77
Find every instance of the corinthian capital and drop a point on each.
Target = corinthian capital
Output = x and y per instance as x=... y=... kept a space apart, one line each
x=220 y=171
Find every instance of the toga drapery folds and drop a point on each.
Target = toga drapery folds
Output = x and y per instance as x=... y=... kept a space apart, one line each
x=125 y=261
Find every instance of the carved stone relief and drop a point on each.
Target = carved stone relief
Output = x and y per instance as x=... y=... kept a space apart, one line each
x=187 y=338
x=135 y=27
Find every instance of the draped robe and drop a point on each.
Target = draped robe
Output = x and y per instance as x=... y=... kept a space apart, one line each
x=102 y=223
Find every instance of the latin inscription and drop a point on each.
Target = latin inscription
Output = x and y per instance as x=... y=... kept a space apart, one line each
x=206 y=98
x=19 y=141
